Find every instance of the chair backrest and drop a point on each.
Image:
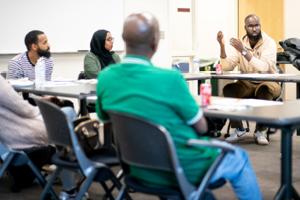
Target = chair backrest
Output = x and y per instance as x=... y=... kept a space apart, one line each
x=56 y=124
x=4 y=151
x=60 y=131
x=4 y=74
x=145 y=144
x=81 y=75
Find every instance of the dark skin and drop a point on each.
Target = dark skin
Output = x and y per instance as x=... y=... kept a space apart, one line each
x=33 y=56
x=237 y=43
x=43 y=44
x=141 y=35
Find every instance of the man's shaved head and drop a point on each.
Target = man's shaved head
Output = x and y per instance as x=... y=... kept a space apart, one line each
x=252 y=16
x=141 y=34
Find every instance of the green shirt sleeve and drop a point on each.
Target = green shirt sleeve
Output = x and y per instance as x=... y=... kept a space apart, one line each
x=102 y=115
x=92 y=66
x=183 y=102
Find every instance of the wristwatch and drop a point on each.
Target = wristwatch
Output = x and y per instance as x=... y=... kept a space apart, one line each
x=244 y=52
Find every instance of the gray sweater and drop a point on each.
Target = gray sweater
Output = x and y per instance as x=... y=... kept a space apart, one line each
x=21 y=125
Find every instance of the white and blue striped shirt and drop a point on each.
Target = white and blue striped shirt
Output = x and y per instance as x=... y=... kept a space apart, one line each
x=21 y=67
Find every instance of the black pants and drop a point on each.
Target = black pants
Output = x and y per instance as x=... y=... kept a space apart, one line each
x=40 y=156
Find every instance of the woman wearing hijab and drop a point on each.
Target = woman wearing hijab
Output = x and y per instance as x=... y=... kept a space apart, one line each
x=100 y=55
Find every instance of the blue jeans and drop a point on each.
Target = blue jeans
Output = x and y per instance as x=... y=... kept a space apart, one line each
x=238 y=170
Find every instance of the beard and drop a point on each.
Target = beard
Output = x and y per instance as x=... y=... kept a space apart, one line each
x=44 y=53
x=254 y=38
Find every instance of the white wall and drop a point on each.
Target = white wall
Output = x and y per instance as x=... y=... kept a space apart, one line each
x=181 y=36
x=292 y=29
x=209 y=19
x=69 y=65
x=159 y=8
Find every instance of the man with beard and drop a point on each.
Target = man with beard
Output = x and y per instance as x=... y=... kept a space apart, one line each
x=22 y=66
x=255 y=53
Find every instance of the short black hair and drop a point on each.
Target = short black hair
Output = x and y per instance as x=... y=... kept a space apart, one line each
x=32 y=38
x=252 y=15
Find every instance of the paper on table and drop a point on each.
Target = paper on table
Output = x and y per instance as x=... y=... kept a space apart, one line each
x=228 y=107
x=244 y=102
x=91 y=81
x=60 y=79
x=260 y=75
x=57 y=84
x=23 y=82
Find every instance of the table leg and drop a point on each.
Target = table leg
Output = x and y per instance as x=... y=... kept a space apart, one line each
x=107 y=136
x=298 y=97
x=83 y=110
x=286 y=190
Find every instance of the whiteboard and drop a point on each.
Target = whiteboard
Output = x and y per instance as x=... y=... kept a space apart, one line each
x=68 y=24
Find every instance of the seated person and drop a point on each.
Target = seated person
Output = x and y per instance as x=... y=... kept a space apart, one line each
x=168 y=102
x=22 y=127
x=100 y=55
x=22 y=66
x=255 y=53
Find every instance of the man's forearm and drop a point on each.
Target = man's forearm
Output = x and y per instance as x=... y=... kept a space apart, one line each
x=223 y=52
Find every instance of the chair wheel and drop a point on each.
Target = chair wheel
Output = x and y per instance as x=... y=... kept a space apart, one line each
x=226 y=135
x=247 y=129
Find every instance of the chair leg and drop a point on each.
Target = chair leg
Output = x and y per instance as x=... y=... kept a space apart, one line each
x=268 y=133
x=14 y=187
x=107 y=191
x=3 y=168
x=81 y=180
x=119 y=186
x=86 y=184
x=6 y=163
x=49 y=184
x=247 y=129
x=228 y=128
x=121 y=193
x=119 y=177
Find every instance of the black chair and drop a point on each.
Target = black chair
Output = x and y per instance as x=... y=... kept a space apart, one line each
x=18 y=158
x=81 y=75
x=145 y=144
x=90 y=106
x=279 y=98
x=95 y=167
x=4 y=74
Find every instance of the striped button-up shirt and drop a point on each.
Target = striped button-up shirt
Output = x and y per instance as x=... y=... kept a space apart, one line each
x=21 y=67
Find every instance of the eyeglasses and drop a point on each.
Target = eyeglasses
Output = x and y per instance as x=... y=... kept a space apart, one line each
x=110 y=39
x=257 y=26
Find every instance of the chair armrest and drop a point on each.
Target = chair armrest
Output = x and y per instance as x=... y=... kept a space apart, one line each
x=224 y=146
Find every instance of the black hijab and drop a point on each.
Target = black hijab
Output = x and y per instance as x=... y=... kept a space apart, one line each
x=98 y=48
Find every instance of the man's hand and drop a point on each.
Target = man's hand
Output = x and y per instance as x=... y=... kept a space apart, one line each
x=220 y=38
x=237 y=44
x=52 y=99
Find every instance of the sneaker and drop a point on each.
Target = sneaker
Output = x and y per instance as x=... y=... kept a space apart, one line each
x=49 y=168
x=236 y=135
x=63 y=195
x=260 y=138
